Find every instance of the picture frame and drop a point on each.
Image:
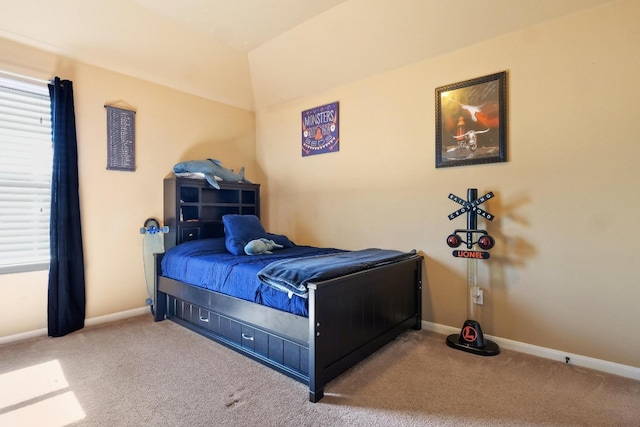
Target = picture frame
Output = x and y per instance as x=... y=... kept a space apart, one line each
x=471 y=121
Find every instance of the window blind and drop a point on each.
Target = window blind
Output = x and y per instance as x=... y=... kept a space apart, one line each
x=26 y=158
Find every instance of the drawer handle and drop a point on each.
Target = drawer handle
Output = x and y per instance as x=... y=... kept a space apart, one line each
x=247 y=337
x=204 y=319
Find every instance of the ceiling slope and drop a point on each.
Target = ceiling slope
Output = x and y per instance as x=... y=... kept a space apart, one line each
x=254 y=53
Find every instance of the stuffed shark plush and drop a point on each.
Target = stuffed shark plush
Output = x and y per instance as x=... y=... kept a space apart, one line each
x=211 y=169
x=261 y=246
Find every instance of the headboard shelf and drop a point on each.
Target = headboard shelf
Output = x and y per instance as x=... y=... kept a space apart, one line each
x=194 y=210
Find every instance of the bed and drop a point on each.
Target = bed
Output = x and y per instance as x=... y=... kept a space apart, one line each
x=338 y=318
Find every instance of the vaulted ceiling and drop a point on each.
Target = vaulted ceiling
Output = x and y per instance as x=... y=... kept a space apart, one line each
x=254 y=53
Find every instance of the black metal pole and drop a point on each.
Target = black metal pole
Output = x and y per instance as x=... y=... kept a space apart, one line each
x=472 y=217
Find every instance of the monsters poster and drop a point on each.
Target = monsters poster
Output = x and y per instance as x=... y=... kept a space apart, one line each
x=320 y=130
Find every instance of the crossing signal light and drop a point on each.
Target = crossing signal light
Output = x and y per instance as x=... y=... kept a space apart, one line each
x=454 y=241
x=486 y=242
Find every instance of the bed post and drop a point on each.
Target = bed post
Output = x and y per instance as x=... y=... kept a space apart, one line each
x=159 y=298
x=418 y=282
x=316 y=383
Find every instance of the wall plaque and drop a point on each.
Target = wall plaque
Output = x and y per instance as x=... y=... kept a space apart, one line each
x=120 y=139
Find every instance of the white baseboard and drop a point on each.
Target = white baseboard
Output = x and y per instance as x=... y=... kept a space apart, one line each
x=88 y=322
x=547 y=353
x=534 y=350
x=117 y=316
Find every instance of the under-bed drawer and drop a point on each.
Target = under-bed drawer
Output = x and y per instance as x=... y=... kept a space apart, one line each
x=241 y=336
x=203 y=318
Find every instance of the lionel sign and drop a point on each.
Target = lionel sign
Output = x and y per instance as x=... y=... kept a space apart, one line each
x=471 y=254
x=320 y=130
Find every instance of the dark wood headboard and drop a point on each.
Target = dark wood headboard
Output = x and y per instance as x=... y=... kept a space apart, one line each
x=193 y=209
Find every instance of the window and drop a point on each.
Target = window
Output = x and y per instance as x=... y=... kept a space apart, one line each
x=26 y=159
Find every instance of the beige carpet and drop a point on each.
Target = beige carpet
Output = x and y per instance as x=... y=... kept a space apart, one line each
x=139 y=373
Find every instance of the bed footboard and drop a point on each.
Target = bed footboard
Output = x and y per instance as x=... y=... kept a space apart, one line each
x=353 y=316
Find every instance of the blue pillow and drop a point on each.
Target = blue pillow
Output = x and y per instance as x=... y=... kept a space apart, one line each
x=240 y=230
x=215 y=245
x=281 y=239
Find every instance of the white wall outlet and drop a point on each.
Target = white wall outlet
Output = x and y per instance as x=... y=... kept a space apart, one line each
x=479 y=297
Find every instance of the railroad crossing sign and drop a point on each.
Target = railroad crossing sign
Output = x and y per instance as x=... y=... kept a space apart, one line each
x=471 y=338
x=471 y=206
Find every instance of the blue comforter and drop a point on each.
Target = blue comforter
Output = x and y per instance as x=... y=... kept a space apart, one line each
x=207 y=264
x=278 y=280
x=293 y=275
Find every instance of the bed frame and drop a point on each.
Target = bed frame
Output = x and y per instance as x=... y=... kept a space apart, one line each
x=350 y=317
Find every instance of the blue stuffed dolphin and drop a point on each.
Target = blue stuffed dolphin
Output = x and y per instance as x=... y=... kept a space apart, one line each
x=211 y=169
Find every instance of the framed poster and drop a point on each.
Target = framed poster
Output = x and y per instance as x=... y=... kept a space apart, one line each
x=320 y=130
x=121 y=150
x=471 y=122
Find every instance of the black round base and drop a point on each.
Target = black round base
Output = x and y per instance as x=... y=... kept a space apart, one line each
x=488 y=349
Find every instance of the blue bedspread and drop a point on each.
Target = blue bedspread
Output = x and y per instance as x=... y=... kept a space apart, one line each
x=293 y=275
x=207 y=264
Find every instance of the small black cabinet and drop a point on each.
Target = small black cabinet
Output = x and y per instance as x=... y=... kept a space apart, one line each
x=194 y=210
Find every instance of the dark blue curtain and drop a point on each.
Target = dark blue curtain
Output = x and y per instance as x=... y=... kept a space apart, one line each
x=66 y=299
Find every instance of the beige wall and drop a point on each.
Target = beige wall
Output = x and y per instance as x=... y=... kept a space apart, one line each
x=564 y=273
x=170 y=127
